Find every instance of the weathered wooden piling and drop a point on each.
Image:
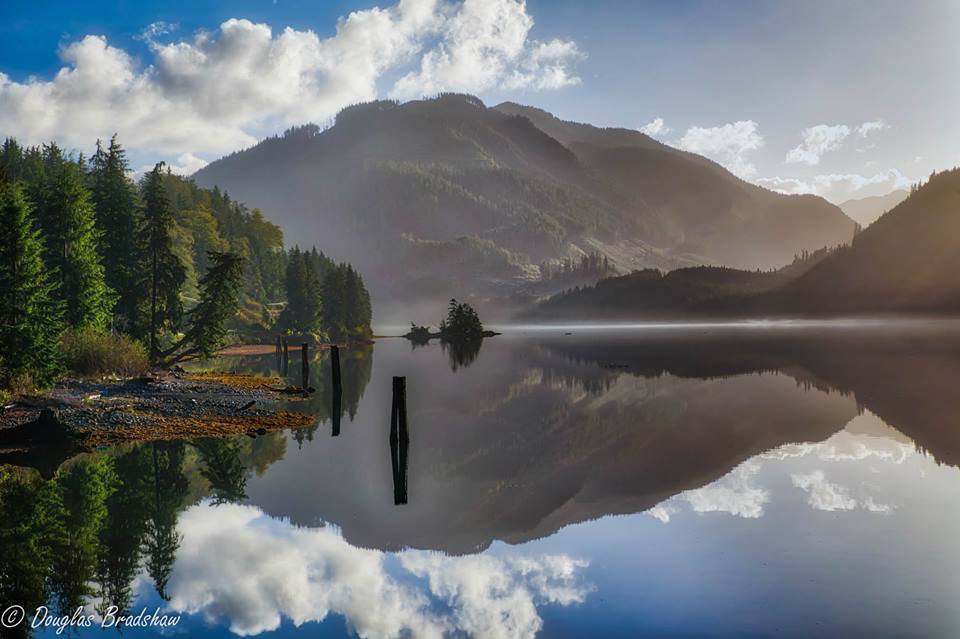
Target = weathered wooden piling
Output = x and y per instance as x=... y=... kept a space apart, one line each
x=335 y=369
x=305 y=366
x=337 y=395
x=399 y=440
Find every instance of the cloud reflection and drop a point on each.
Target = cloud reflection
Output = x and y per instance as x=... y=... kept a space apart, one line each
x=241 y=567
x=734 y=494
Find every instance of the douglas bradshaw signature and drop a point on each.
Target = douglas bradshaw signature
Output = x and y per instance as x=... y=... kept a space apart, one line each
x=13 y=616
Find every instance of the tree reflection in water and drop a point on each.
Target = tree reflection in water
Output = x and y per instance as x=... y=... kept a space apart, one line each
x=83 y=536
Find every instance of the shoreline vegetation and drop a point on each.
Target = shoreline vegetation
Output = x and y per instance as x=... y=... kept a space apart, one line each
x=109 y=282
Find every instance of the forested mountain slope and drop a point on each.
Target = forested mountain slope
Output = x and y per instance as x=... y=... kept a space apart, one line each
x=446 y=195
x=905 y=262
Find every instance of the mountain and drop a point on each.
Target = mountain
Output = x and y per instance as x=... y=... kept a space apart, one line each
x=700 y=205
x=447 y=196
x=865 y=211
x=906 y=261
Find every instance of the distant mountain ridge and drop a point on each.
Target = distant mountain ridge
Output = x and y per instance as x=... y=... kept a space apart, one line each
x=443 y=196
x=865 y=211
x=905 y=262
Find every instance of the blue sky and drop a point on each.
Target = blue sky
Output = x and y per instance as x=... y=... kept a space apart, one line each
x=844 y=99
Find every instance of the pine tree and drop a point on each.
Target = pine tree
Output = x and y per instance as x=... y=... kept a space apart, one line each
x=335 y=302
x=219 y=298
x=164 y=272
x=66 y=218
x=30 y=316
x=11 y=160
x=115 y=201
x=304 y=308
x=358 y=310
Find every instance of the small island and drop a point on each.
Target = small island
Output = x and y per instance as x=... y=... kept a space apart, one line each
x=462 y=324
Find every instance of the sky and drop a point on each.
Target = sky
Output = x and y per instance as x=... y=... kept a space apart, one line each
x=842 y=98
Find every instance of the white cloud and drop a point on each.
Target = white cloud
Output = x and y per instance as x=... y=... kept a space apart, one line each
x=843 y=185
x=838 y=187
x=485 y=45
x=734 y=494
x=873 y=506
x=873 y=126
x=849 y=445
x=787 y=185
x=156 y=29
x=217 y=91
x=662 y=512
x=238 y=566
x=655 y=128
x=817 y=140
x=823 y=495
x=186 y=164
x=727 y=144
x=485 y=594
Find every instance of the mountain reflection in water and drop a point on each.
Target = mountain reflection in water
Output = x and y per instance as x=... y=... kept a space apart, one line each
x=522 y=439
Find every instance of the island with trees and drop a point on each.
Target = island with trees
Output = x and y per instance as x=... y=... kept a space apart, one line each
x=462 y=324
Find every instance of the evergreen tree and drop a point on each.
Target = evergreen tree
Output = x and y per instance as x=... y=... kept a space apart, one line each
x=11 y=160
x=462 y=322
x=163 y=270
x=115 y=201
x=304 y=308
x=219 y=297
x=66 y=218
x=30 y=317
x=335 y=303
x=358 y=310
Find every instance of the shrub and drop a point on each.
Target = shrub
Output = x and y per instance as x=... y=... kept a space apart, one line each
x=94 y=353
x=13 y=384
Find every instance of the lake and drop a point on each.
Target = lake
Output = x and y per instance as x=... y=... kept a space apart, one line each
x=708 y=480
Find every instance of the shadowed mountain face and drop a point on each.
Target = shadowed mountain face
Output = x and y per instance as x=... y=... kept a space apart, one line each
x=908 y=259
x=447 y=194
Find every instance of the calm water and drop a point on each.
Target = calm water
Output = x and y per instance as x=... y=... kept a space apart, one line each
x=669 y=482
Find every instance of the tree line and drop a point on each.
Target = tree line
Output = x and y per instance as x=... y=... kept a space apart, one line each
x=175 y=266
x=325 y=297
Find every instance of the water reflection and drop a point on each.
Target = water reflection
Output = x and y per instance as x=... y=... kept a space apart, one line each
x=239 y=567
x=536 y=435
x=81 y=539
x=463 y=352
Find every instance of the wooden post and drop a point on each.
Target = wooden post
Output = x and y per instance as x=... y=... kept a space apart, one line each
x=305 y=366
x=337 y=396
x=399 y=440
x=286 y=357
x=335 y=369
x=279 y=350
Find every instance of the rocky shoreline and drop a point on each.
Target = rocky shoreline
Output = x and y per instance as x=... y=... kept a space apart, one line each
x=82 y=415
